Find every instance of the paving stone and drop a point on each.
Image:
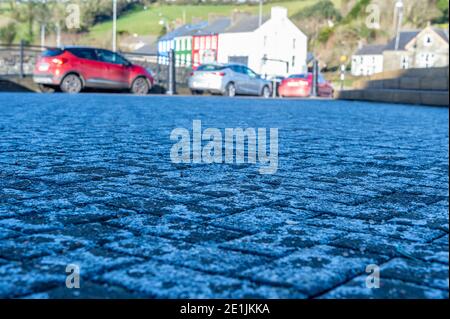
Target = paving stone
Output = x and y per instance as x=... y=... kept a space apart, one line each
x=312 y=269
x=258 y=220
x=433 y=275
x=214 y=260
x=387 y=229
x=283 y=240
x=17 y=280
x=88 y=290
x=27 y=247
x=392 y=247
x=389 y=289
x=160 y=280
x=88 y=178
x=175 y=228
x=147 y=246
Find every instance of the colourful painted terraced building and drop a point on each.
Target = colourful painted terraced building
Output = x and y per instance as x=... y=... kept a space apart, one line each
x=275 y=48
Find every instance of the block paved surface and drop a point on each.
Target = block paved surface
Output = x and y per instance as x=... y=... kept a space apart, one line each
x=88 y=180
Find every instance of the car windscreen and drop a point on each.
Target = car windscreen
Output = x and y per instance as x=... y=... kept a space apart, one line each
x=52 y=52
x=210 y=67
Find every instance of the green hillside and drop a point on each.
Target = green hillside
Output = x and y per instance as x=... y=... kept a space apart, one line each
x=146 y=22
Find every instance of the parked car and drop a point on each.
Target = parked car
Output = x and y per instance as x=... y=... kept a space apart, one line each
x=228 y=80
x=73 y=68
x=300 y=85
x=277 y=81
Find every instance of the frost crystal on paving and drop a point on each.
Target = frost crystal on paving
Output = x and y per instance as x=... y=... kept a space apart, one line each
x=88 y=180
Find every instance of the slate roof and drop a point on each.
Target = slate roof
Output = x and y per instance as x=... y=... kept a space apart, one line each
x=405 y=38
x=374 y=49
x=442 y=33
x=216 y=26
x=184 y=30
x=247 y=24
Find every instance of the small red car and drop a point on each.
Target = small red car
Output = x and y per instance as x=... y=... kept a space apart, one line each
x=300 y=85
x=73 y=68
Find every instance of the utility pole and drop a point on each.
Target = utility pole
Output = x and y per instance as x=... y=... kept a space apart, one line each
x=399 y=12
x=58 y=35
x=260 y=12
x=114 y=32
x=42 y=35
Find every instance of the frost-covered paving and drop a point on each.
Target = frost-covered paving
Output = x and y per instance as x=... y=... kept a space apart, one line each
x=88 y=180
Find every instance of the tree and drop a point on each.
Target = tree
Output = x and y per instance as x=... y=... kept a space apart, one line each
x=8 y=33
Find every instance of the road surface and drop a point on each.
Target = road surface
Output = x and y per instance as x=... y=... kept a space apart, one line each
x=88 y=181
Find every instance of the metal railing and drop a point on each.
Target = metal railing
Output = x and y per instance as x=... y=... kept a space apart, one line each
x=18 y=60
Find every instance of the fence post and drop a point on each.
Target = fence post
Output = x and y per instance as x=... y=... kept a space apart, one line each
x=171 y=76
x=22 y=44
x=158 y=68
x=315 y=77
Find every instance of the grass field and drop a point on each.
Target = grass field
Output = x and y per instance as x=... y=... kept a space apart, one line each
x=146 y=22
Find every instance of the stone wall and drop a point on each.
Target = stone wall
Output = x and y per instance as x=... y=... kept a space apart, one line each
x=413 y=86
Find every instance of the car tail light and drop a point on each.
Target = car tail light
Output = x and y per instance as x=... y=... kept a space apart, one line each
x=219 y=73
x=59 y=61
x=192 y=74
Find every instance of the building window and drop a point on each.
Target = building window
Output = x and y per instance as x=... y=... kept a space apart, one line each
x=188 y=44
x=404 y=62
x=293 y=43
x=202 y=43
x=293 y=61
x=188 y=59
x=214 y=42
x=428 y=40
x=208 y=43
x=426 y=60
x=196 y=43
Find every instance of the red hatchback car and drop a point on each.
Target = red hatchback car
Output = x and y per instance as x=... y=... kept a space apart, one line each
x=300 y=85
x=73 y=68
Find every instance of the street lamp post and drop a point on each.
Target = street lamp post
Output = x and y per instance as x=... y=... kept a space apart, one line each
x=58 y=35
x=260 y=12
x=43 y=26
x=399 y=9
x=114 y=32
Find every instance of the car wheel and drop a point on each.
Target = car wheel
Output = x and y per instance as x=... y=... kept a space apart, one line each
x=230 y=90
x=71 y=84
x=265 y=93
x=140 y=86
x=46 y=89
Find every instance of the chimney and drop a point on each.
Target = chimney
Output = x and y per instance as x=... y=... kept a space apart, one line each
x=360 y=44
x=278 y=13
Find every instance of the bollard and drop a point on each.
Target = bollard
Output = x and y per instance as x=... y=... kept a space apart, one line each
x=315 y=78
x=171 y=90
x=22 y=44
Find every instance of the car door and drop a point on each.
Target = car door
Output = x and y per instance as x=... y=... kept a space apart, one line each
x=239 y=78
x=87 y=65
x=253 y=84
x=115 y=71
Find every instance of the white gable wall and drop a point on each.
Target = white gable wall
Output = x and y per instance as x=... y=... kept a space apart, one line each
x=275 y=40
x=280 y=39
x=236 y=44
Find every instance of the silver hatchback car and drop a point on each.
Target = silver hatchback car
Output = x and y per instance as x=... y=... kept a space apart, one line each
x=228 y=80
